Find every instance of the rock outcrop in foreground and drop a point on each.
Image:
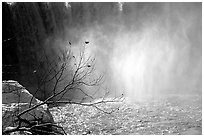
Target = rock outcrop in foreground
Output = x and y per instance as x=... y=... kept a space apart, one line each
x=13 y=92
x=16 y=99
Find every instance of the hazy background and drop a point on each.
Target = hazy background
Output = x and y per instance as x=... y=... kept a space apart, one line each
x=144 y=49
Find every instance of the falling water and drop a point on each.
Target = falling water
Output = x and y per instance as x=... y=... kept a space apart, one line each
x=144 y=49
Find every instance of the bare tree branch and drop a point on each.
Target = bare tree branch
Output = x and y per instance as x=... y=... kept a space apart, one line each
x=67 y=77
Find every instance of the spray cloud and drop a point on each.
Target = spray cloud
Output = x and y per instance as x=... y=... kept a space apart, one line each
x=145 y=49
x=152 y=49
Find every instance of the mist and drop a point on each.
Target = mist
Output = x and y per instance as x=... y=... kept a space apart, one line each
x=148 y=49
x=102 y=68
x=142 y=49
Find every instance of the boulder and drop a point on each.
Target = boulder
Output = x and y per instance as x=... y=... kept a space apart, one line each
x=36 y=116
x=17 y=99
x=13 y=92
